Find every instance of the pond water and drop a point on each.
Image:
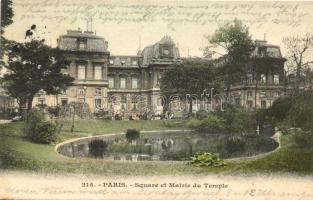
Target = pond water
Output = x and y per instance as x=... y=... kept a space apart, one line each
x=178 y=146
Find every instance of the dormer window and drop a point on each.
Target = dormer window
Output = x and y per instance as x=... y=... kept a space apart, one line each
x=82 y=44
x=166 y=51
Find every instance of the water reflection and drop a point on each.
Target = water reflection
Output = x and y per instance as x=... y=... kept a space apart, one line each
x=167 y=146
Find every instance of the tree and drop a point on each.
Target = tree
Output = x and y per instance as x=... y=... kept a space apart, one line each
x=34 y=66
x=235 y=43
x=6 y=13
x=6 y=19
x=192 y=76
x=299 y=56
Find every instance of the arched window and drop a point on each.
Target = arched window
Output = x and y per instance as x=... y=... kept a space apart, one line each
x=111 y=82
x=98 y=72
x=134 y=82
x=263 y=78
x=276 y=79
x=122 y=82
x=81 y=73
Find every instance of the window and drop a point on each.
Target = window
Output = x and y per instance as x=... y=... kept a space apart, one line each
x=98 y=72
x=134 y=62
x=81 y=91
x=122 y=82
x=249 y=93
x=123 y=99
x=81 y=72
x=262 y=94
x=276 y=94
x=276 y=79
x=111 y=82
x=263 y=104
x=98 y=103
x=249 y=104
x=64 y=102
x=134 y=102
x=249 y=78
x=273 y=52
x=123 y=102
x=111 y=62
x=263 y=78
x=134 y=83
x=82 y=45
x=98 y=92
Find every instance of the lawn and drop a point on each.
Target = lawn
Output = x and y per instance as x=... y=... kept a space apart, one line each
x=18 y=153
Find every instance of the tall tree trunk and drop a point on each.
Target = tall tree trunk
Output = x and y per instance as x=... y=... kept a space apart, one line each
x=297 y=81
x=255 y=93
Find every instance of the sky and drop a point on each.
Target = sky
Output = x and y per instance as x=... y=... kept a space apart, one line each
x=132 y=24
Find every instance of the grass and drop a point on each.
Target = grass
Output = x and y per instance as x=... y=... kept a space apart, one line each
x=18 y=153
x=96 y=127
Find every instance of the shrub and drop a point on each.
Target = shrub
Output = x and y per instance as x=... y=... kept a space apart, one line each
x=194 y=123
x=301 y=112
x=239 y=121
x=235 y=144
x=201 y=114
x=39 y=130
x=211 y=123
x=207 y=160
x=280 y=108
x=54 y=110
x=32 y=120
x=303 y=139
x=132 y=134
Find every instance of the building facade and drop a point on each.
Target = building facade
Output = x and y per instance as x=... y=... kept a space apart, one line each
x=119 y=84
x=130 y=85
x=264 y=81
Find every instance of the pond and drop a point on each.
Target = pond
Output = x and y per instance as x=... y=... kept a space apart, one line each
x=163 y=146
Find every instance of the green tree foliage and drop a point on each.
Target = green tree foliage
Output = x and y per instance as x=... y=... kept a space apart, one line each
x=6 y=19
x=232 y=121
x=34 y=66
x=6 y=13
x=234 y=40
x=238 y=120
x=39 y=130
x=280 y=109
x=132 y=134
x=191 y=76
x=207 y=160
x=301 y=112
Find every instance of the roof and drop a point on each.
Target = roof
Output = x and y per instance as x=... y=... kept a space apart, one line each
x=152 y=52
x=92 y=43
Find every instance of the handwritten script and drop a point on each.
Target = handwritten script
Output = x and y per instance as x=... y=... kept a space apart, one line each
x=170 y=13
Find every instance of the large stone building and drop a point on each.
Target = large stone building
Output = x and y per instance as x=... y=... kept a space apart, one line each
x=130 y=84
x=123 y=84
x=265 y=79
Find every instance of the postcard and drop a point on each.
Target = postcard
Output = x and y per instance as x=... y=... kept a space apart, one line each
x=142 y=99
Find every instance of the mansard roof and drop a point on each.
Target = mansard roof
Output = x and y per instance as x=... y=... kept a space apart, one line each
x=70 y=41
x=151 y=53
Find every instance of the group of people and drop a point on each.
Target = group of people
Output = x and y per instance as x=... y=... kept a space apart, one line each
x=143 y=116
